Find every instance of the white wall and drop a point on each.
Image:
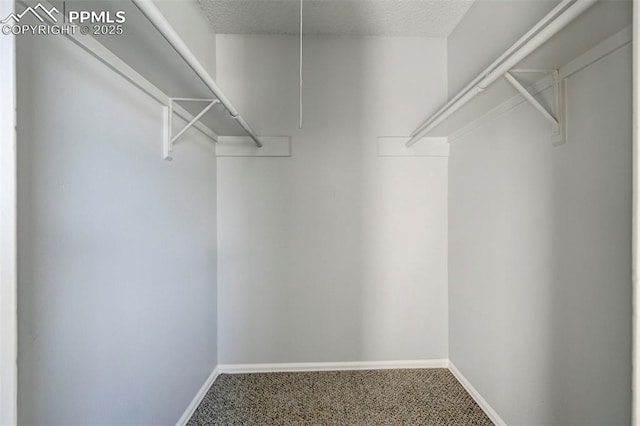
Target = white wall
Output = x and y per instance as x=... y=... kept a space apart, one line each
x=332 y=254
x=8 y=235
x=540 y=260
x=117 y=248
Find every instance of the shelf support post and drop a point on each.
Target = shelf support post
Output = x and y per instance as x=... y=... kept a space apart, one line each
x=559 y=132
x=167 y=146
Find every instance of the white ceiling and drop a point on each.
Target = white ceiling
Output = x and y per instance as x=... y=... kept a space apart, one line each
x=424 y=18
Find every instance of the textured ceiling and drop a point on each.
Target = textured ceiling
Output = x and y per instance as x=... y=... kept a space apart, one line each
x=425 y=18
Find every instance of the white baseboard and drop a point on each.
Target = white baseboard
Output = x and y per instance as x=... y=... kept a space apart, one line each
x=198 y=398
x=489 y=411
x=331 y=366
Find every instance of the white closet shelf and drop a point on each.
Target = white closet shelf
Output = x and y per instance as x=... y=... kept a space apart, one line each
x=568 y=40
x=151 y=55
x=157 y=19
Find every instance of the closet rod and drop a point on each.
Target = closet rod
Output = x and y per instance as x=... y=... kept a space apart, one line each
x=548 y=26
x=156 y=18
x=116 y=64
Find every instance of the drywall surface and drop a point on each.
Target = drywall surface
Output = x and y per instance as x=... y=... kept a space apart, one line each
x=332 y=254
x=488 y=29
x=186 y=17
x=117 y=248
x=540 y=256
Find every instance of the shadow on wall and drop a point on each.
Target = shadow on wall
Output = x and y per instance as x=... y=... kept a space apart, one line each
x=332 y=254
x=540 y=238
x=590 y=315
x=117 y=266
x=540 y=257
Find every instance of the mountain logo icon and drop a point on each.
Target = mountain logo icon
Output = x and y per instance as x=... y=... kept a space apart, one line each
x=39 y=11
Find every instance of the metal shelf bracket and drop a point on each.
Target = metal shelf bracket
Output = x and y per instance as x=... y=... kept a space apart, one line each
x=557 y=116
x=169 y=139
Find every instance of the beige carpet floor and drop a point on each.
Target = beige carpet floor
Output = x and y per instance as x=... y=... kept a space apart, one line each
x=366 y=397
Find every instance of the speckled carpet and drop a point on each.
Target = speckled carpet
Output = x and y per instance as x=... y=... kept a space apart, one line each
x=365 y=397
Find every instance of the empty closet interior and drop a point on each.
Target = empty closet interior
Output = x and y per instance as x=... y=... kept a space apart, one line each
x=420 y=184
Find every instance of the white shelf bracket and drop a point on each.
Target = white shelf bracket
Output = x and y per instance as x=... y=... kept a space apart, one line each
x=169 y=139
x=557 y=116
